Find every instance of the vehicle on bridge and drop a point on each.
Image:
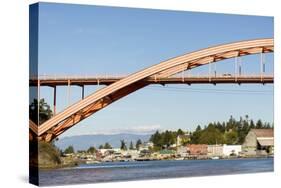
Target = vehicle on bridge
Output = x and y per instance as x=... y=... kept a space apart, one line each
x=227 y=75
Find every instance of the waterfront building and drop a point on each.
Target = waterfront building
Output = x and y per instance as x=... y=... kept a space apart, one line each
x=231 y=150
x=130 y=153
x=182 y=151
x=197 y=149
x=215 y=150
x=259 y=142
x=166 y=153
x=146 y=146
x=111 y=151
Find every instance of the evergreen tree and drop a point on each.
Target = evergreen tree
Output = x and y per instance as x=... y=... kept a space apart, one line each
x=168 y=139
x=198 y=128
x=92 y=150
x=180 y=132
x=69 y=150
x=231 y=137
x=131 y=146
x=157 y=139
x=195 y=136
x=107 y=146
x=138 y=143
x=259 y=124
x=211 y=135
x=123 y=145
x=252 y=124
x=45 y=111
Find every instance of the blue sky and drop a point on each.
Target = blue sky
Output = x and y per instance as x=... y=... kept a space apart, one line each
x=91 y=40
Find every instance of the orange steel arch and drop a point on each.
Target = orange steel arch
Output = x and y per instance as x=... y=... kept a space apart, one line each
x=105 y=96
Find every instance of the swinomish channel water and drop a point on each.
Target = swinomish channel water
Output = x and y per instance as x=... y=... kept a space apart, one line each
x=126 y=171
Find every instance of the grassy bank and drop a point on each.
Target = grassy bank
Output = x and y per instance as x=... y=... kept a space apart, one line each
x=46 y=156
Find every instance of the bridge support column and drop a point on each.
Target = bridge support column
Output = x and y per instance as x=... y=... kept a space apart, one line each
x=38 y=101
x=215 y=69
x=55 y=99
x=235 y=69
x=68 y=92
x=83 y=91
x=262 y=65
x=210 y=71
x=240 y=66
x=182 y=76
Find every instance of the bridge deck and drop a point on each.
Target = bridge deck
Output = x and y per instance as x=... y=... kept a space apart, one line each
x=153 y=80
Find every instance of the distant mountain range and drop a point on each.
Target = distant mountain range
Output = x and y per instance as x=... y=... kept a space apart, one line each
x=83 y=142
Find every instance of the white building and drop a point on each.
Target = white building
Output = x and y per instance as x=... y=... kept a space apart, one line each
x=146 y=146
x=182 y=151
x=229 y=150
x=132 y=153
x=109 y=151
x=215 y=150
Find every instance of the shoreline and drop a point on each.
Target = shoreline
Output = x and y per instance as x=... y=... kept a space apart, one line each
x=76 y=164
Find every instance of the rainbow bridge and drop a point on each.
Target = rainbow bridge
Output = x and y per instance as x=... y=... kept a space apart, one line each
x=163 y=73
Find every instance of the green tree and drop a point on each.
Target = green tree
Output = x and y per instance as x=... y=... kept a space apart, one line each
x=131 y=146
x=101 y=147
x=45 y=111
x=238 y=129
x=198 y=128
x=247 y=118
x=220 y=126
x=252 y=124
x=92 y=150
x=259 y=124
x=195 y=136
x=169 y=138
x=180 y=132
x=69 y=150
x=107 y=146
x=231 y=123
x=138 y=143
x=231 y=137
x=123 y=145
x=157 y=139
x=211 y=135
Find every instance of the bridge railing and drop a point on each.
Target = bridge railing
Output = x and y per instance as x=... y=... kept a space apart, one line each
x=225 y=75
x=79 y=77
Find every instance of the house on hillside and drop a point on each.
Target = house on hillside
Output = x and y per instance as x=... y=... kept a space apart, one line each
x=182 y=139
x=259 y=142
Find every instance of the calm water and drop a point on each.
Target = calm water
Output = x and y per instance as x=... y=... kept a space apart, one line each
x=124 y=171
